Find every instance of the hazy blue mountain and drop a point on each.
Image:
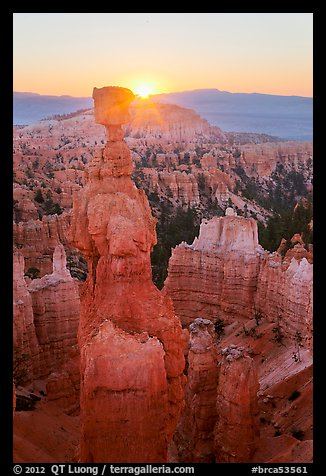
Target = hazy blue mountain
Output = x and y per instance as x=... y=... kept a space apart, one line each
x=288 y=117
x=31 y=107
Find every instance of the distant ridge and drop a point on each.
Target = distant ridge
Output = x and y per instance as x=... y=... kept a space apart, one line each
x=32 y=107
x=288 y=117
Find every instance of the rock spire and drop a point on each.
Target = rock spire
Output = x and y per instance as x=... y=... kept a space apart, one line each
x=130 y=340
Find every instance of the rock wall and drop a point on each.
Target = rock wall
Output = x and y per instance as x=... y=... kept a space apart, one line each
x=130 y=405
x=55 y=302
x=37 y=239
x=169 y=122
x=261 y=300
x=225 y=274
x=237 y=426
x=261 y=160
x=46 y=316
x=194 y=437
x=179 y=185
x=216 y=277
x=26 y=348
x=285 y=295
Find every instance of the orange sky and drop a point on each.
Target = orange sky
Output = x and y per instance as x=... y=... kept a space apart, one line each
x=70 y=53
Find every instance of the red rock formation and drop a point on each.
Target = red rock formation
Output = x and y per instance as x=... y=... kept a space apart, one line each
x=62 y=385
x=130 y=340
x=37 y=239
x=216 y=276
x=237 y=427
x=285 y=295
x=261 y=159
x=55 y=301
x=26 y=349
x=266 y=300
x=219 y=183
x=297 y=251
x=169 y=122
x=27 y=210
x=183 y=187
x=226 y=274
x=46 y=315
x=194 y=437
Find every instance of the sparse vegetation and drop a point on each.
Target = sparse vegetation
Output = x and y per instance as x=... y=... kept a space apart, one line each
x=258 y=317
x=252 y=332
x=278 y=332
x=33 y=273
x=171 y=230
x=39 y=196
x=21 y=365
x=298 y=343
x=77 y=266
x=219 y=327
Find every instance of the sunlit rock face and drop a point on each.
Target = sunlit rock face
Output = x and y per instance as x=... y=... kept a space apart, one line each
x=261 y=304
x=46 y=316
x=194 y=437
x=37 y=239
x=216 y=276
x=226 y=274
x=130 y=340
x=237 y=427
x=262 y=159
x=285 y=295
x=24 y=335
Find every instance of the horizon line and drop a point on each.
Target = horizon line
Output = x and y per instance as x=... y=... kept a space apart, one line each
x=171 y=92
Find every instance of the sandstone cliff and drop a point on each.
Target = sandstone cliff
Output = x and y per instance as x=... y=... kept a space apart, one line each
x=194 y=437
x=37 y=239
x=169 y=122
x=55 y=302
x=237 y=427
x=262 y=300
x=46 y=315
x=26 y=348
x=216 y=276
x=285 y=295
x=261 y=160
x=179 y=186
x=130 y=405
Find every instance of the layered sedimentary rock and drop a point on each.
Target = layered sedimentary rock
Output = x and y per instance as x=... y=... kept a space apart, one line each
x=177 y=185
x=130 y=340
x=219 y=183
x=237 y=427
x=216 y=276
x=261 y=159
x=55 y=301
x=285 y=295
x=27 y=211
x=46 y=316
x=194 y=437
x=37 y=239
x=170 y=122
x=26 y=348
x=262 y=298
x=226 y=274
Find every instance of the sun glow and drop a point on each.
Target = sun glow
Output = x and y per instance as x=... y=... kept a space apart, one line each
x=144 y=90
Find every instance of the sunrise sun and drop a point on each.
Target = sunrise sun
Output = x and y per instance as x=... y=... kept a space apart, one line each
x=144 y=90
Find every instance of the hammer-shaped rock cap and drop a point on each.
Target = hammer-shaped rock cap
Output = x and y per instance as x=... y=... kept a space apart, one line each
x=111 y=105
